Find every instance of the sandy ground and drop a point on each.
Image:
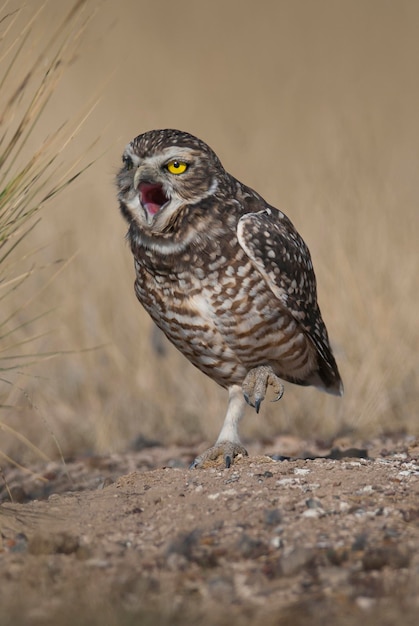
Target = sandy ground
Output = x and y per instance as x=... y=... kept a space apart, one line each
x=333 y=538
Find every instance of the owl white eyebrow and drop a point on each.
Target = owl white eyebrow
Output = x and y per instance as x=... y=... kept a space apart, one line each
x=174 y=152
x=129 y=152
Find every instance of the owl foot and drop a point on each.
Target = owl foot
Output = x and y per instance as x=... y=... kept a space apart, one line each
x=227 y=449
x=257 y=381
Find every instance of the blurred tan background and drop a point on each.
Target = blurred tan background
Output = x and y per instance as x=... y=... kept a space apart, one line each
x=314 y=104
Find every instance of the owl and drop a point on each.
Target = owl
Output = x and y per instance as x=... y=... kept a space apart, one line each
x=224 y=275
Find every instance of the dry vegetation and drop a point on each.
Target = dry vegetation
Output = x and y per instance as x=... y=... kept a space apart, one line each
x=30 y=178
x=313 y=104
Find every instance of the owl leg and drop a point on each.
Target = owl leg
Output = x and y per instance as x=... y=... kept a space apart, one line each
x=228 y=443
x=257 y=381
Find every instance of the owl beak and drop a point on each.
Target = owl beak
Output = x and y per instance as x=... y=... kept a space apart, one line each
x=152 y=198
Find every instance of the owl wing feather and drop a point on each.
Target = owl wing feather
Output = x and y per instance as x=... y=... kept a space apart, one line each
x=279 y=253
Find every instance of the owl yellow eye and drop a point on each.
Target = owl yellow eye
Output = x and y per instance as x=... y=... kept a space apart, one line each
x=177 y=167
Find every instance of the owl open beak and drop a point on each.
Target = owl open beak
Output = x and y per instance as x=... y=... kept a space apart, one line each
x=152 y=197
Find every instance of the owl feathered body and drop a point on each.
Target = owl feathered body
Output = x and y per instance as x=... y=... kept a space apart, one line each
x=225 y=275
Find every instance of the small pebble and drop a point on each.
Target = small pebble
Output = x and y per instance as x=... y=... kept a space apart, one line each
x=313 y=513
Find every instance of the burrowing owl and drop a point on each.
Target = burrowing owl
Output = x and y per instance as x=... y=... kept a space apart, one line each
x=225 y=275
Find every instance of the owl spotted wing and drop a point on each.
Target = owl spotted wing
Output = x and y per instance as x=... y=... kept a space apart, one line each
x=280 y=255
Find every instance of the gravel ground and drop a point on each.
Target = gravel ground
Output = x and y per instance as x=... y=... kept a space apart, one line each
x=329 y=536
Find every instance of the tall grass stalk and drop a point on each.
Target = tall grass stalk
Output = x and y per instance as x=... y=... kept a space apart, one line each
x=30 y=178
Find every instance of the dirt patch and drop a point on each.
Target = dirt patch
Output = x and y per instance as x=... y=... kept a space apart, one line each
x=323 y=539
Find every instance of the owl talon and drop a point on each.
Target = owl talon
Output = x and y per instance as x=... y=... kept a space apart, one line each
x=225 y=449
x=280 y=393
x=255 y=385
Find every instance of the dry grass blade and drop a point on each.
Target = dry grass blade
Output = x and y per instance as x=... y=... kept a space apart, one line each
x=23 y=439
x=20 y=186
x=30 y=177
x=25 y=183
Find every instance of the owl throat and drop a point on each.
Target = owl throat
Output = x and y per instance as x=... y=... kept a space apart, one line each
x=192 y=230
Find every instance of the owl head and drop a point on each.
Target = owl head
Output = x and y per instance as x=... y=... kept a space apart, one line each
x=162 y=171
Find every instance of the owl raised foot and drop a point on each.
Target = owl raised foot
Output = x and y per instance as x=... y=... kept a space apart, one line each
x=256 y=383
x=226 y=449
